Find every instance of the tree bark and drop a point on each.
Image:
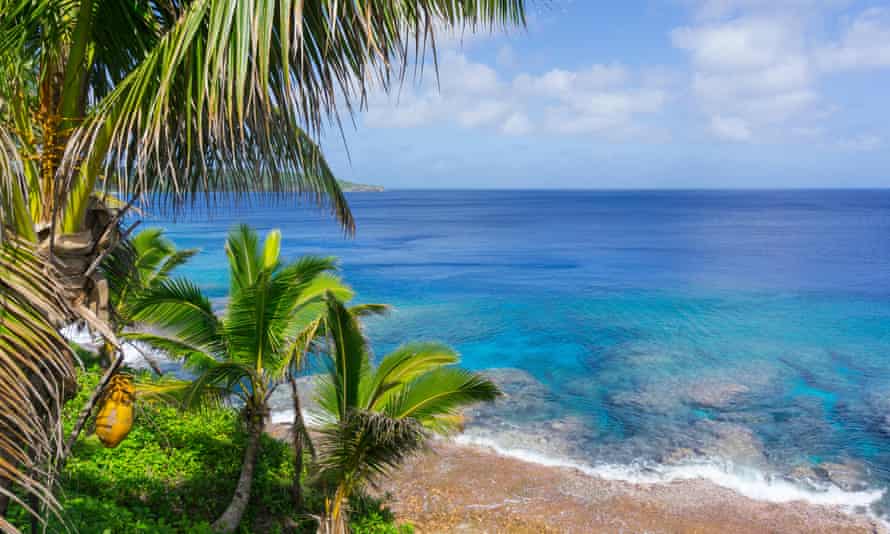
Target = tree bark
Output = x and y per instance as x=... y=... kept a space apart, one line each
x=300 y=437
x=229 y=521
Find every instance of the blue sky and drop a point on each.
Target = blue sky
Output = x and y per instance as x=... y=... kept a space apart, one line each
x=642 y=94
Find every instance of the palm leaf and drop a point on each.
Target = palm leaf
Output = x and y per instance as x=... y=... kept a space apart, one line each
x=349 y=356
x=404 y=365
x=435 y=397
x=245 y=261
x=366 y=445
x=194 y=357
x=36 y=374
x=14 y=193
x=220 y=100
x=369 y=310
x=181 y=393
x=180 y=307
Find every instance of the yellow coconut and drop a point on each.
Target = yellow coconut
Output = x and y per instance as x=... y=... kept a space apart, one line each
x=115 y=418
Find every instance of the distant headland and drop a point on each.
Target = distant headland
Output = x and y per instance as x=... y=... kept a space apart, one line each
x=351 y=187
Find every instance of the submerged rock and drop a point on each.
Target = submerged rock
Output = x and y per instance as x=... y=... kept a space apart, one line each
x=848 y=475
x=524 y=396
x=878 y=404
x=527 y=417
x=733 y=442
x=656 y=399
x=715 y=393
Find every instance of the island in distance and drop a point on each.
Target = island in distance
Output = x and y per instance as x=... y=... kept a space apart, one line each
x=351 y=187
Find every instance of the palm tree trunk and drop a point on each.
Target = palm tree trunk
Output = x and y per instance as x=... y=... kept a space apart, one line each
x=300 y=438
x=230 y=519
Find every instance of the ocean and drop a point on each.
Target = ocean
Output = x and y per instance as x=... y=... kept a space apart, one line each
x=740 y=336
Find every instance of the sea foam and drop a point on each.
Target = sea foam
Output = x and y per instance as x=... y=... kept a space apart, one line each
x=748 y=482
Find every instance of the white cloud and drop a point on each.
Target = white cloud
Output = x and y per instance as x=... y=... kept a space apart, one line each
x=517 y=124
x=740 y=44
x=756 y=70
x=762 y=62
x=594 y=99
x=732 y=128
x=863 y=44
x=716 y=9
x=482 y=113
x=559 y=82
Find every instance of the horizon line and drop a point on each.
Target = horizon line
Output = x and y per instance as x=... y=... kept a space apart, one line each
x=618 y=189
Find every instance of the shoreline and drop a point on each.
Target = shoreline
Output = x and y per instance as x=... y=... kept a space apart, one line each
x=470 y=488
x=509 y=474
x=465 y=487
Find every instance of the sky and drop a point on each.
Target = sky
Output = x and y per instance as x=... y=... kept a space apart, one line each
x=640 y=94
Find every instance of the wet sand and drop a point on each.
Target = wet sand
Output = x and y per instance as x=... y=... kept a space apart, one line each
x=458 y=488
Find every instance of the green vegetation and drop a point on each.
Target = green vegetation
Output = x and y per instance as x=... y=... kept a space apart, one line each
x=161 y=103
x=380 y=416
x=176 y=472
x=249 y=350
x=352 y=187
x=194 y=463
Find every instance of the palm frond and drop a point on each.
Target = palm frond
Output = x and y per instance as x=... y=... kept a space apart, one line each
x=180 y=393
x=365 y=445
x=36 y=373
x=435 y=397
x=194 y=357
x=194 y=116
x=232 y=377
x=245 y=261
x=308 y=270
x=180 y=307
x=263 y=317
x=125 y=34
x=14 y=210
x=174 y=260
x=349 y=356
x=255 y=324
x=299 y=346
x=220 y=101
x=369 y=310
x=404 y=365
x=22 y=22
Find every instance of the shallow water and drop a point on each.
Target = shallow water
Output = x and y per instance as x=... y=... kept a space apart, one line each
x=737 y=332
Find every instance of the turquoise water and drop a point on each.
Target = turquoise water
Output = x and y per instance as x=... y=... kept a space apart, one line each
x=749 y=330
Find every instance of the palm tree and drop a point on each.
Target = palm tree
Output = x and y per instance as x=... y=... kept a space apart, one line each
x=250 y=349
x=311 y=342
x=135 y=266
x=105 y=103
x=378 y=417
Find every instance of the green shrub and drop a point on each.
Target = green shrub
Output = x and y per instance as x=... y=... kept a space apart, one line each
x=175 y=473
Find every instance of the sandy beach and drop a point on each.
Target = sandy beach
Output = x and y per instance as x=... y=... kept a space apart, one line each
x=459 y=488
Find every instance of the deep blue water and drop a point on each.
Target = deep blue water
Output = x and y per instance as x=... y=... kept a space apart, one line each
x=635 y=309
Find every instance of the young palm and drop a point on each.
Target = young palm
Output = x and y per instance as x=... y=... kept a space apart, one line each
x=378 y=417
x=249 y=350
